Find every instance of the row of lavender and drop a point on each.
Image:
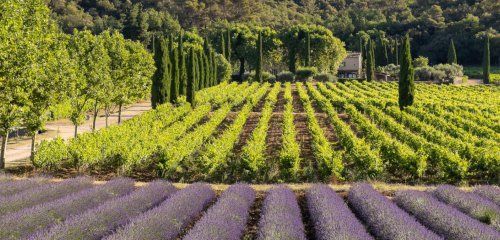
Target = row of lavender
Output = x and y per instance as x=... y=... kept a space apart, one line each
x=79 y=209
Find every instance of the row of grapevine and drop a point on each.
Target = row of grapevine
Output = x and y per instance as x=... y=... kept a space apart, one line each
x=441 y=162
x=290 y=162
x=365 y=162
x=133 y=142
x=172 y=156
x=216 y=154
x=329 y=161
x=483 y=160
x=399 y=158
x=254 y=152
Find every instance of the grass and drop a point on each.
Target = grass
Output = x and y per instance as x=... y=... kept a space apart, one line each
x=477 y=71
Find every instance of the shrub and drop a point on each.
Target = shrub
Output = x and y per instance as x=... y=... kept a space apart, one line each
x=223 y=68
x=285 y=77
x=450 y=70
x=305 y=73
x=325 y=77
x=268 y=77
x=390 y=69
x=420 y=62
x=423 y=73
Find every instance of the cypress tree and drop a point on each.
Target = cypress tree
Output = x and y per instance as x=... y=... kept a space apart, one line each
x=182 y=67
x=208 y=71
x=167 y=73
x=396 y=53
x=191 y=77
x=406 y=84
x=201 y=71
x=208 y=67
x=452 y=54
x=174 y=87
x=228 y=48
x=157 y=85
x=258 y=69
x=222 y=45
x=486 y=60
x=362 y=50
x=214 y=63
x=370 y=61
x=308 y=50
x=385 y=55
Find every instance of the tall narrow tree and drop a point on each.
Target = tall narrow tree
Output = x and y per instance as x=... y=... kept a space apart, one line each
x=486 y=60
x=175 y=85
x=167 y=73
x=452 y=54
x=156 y=97
x=406 y=83
x=308 y=50
x=228 y=47
x=370 y=61
x=182 y=68
x=191 y=78
x=214 y=63
x=201 y=71
x=258 y=69
x=396 y=53
x=223 y=45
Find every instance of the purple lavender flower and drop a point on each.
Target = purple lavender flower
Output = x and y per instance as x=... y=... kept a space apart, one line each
x=489 y=192
x=384 y=219
x=101 y=221
x=470 y=203
x=226 y=220
x=168 y=219
x=23 y=223
x=443 y=219
x=9 y=188
x=48 y=192
x=281 y=217
x=331 y=216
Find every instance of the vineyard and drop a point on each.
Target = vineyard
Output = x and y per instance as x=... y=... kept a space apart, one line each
x=78 y=208
x=313 y=132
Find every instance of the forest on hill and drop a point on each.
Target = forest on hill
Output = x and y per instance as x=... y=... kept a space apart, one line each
x=430 y=23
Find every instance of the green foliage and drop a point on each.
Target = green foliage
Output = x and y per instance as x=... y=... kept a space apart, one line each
x=452 y=54
x=258 y=69
x=223 y=68
x=406 y=76
x=486 y=60
x=305 y=73
x=370 y=62
x=157 y=92
x=325 y=77
x=290 y=161
x=420 y=62
x=191 y=78
x=285 y=77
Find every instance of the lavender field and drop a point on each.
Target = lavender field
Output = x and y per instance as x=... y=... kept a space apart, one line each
x=81 y=208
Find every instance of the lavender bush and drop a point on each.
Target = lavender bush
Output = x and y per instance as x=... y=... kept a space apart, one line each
x=489 y=192
x=101 y=221
x=48 y=192
x=470 y=203
x=9 y=188
x=331 y=216
x=384 y=219
x=281 y=217
x=22 y=224
x=226 y=220
x=443 y=219
x=168 y=219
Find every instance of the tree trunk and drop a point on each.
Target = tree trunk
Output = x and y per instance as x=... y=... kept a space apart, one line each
x=107 y=110
x=33 y=141
x=120 y=113
x=3 y=149
x=95 y=116
x=76 y=130
x=242 y=69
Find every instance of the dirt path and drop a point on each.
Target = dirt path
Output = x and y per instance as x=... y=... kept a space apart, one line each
x=18 y=149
